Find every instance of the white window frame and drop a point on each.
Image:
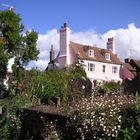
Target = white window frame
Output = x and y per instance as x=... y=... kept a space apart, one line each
x=91 y=67
x=114 y=69
x=103 y=68
x=107 y=56
x=91 y=53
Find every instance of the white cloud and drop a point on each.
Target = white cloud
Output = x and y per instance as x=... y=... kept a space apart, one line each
x=44 y=43
x=127 y=42
x=50 y=38
x=89 y=37
x=40 y=64
x=44 y=54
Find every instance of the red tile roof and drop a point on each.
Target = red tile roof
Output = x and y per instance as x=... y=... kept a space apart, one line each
x=99 y=54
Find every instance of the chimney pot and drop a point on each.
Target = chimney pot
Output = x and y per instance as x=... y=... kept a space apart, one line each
x=65 y=25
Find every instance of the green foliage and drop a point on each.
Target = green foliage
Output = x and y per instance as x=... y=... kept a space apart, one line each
x=4 y=132
x=137 y=97
x=45 y=85
x=10 y=119
x=112 y=86
x=78 y=70
x=37 y=86
x=3 y=64
x=130 y=126
x=128 y=133
x=54 y=83
x=11 y=29
x=13 y=37
x=31 y=52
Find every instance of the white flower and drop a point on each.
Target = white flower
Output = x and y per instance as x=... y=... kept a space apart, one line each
x=109 y=134
x=103 y=114
x=113 y=135
x=119 y=126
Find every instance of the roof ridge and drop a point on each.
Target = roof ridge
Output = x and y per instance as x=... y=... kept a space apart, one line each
x=84 y=45
x=75 y=43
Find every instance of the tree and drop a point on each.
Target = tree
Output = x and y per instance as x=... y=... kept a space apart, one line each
x=14 y=36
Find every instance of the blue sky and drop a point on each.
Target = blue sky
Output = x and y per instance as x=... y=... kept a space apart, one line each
x=101 y=15
x=91 y=22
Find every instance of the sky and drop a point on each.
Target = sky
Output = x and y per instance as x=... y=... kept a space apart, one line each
x=91 y=22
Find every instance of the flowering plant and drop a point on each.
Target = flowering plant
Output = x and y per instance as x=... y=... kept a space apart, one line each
x=99 y=117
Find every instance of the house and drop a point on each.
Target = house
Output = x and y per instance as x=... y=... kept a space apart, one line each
x=127 y=71
x=99 y=64
x=130 y=74
x=135 y=64
x=130 y=69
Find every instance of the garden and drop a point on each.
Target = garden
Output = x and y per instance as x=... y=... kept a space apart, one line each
x=112 y=115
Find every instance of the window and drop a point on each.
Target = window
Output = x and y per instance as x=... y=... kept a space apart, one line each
x=103 y=68
x=107 y=56
x=91 y=53
x=114 y=69
x=91 y=67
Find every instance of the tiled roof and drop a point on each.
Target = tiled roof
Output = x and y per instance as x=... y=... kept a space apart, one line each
x=125 y=72
x=137 y=62
x=128 y=66
x=99 y=54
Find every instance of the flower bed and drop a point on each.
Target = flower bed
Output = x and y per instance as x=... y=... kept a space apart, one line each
x=105 y=117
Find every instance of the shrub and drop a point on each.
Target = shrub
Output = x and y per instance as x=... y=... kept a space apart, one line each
x=10 y=123
x=111 y=86
x=48 y=86
x=99 y=118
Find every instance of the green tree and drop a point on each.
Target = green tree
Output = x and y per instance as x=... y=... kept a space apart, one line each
x=14 y=36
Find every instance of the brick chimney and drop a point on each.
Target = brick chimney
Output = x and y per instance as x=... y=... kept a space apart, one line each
x=51 y=54
x=64 y=57
x=110 y=44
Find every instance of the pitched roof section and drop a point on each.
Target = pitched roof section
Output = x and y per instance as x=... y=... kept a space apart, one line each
x=99 y=54
x=129 y=66
x=125 y=72
x=137 y=62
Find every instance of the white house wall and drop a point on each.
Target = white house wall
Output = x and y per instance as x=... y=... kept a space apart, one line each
x=99 y=75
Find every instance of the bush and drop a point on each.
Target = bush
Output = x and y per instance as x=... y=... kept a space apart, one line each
x=100 y=117
x=112 y=87
x=10 y=123
x=51 y=85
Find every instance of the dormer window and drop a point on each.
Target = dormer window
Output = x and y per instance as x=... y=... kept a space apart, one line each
x=91 y=53
x=107 y=56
